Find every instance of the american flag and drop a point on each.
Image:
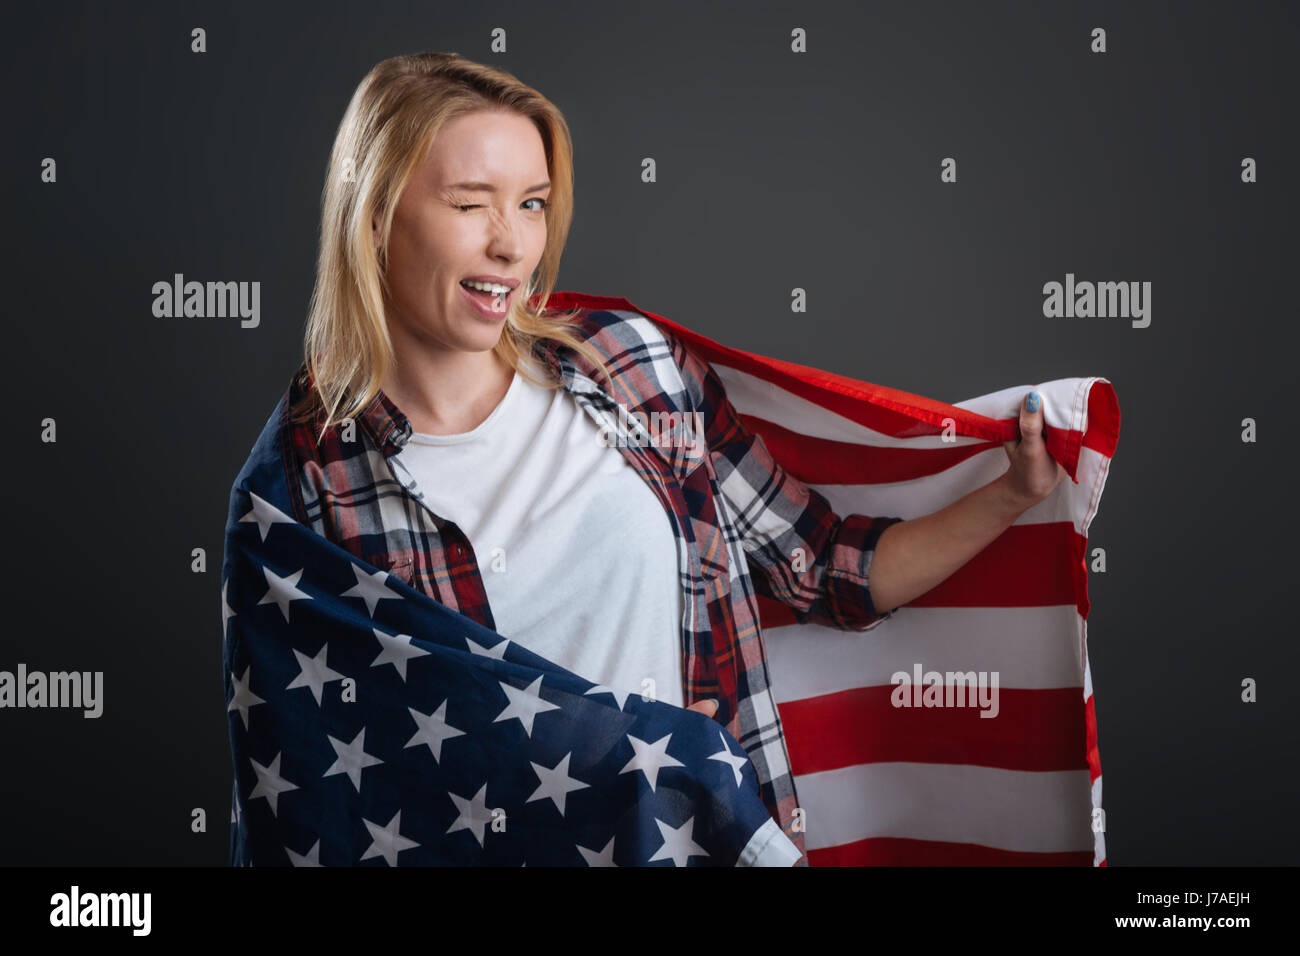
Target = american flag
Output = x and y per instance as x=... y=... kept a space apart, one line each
x=371 y=725
x=883 y=784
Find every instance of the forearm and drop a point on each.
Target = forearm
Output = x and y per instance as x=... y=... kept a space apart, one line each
x=914 y=556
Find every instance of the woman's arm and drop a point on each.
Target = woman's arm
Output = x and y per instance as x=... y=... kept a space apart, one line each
x=799 y=551
x=914 y=556
x=852 y=572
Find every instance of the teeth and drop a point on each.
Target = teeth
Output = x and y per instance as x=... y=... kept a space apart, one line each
x=486 y=287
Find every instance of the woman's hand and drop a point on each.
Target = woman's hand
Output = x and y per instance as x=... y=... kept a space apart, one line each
x=1034 y=473
x=706 y=707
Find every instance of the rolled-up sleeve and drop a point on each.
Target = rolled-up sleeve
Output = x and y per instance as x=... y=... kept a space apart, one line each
x=799 y=551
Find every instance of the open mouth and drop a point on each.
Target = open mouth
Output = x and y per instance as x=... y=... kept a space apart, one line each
x=492 y=301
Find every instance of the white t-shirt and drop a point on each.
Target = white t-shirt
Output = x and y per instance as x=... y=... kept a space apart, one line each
x=586 y=575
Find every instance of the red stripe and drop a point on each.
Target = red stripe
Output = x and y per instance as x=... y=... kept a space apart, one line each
x=1094 y=756
x=897 y=851
x=1103 y=419
x=823 y=461
x=1035 y=730
x=827 y=461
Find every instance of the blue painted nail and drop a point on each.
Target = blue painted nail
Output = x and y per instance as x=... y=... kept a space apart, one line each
x=1032 y=403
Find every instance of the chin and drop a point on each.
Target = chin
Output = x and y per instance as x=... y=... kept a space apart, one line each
x=480 y=340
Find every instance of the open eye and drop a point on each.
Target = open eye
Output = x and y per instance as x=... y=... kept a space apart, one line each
x=545 y=203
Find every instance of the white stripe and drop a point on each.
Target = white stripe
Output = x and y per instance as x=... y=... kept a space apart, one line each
x=1064 y=406
x=1032 y=812
x=1093 y=468
x=1030 y=648
x=1087 y=671
x=754 y=396
x=1065 y=402
x=922 y=496
x=1099 y=848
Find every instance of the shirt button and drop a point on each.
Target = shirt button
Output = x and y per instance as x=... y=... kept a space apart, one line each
x=456 y=551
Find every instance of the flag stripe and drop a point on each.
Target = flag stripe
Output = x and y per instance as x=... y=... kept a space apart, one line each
x=1038 y=730
x=891 y=851
x=809 y=660
x=1044 y=812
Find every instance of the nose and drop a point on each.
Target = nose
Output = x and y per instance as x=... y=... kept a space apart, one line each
x=505 y=241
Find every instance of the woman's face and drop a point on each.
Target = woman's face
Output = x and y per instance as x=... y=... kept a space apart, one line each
x=474 y=208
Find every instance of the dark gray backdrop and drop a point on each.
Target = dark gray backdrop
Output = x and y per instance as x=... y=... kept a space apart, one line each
x=775 y=170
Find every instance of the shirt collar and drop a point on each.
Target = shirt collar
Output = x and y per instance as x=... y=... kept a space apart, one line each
x=389 y=428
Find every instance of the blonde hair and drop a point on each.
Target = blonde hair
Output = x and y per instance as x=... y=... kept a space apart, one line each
x=384 y=136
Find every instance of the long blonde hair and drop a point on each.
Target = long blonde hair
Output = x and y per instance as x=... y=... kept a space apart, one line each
x=384 y=136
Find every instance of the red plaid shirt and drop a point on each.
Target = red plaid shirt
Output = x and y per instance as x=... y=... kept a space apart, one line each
x=735 y=511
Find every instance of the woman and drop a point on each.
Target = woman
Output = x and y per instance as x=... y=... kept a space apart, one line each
x=451 y=431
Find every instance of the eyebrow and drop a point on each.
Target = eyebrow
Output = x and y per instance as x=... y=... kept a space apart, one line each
x=489 y=188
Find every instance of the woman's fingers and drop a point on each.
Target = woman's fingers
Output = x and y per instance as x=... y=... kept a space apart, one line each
x=1031 y=420
x=706 y=707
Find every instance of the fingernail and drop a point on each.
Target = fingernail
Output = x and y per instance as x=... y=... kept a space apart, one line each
x=1032 y=402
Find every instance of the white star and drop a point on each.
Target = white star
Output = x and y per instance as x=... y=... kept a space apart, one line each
x=525 y=704
x=620 y=696
x=227 y=612
x=496 y=651
x=474 y=814
x=604 y=857
x=678 y=843
x=283 y=590
x=433 y=730
x=650 y=758
x=269 y=783
x=313 y=672
x=311 y=859
x=352 y=758
x=396 y=649
x=387 y=841
x=243 y=698
x=265 y=514
x=725 y=755
x=556 y=783
x=371 y=588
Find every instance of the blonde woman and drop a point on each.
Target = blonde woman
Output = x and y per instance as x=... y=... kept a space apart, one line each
x=450 y=431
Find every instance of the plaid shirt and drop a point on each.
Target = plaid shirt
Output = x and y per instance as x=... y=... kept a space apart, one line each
x=734 y=511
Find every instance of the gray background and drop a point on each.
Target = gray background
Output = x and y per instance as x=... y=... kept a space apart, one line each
x=775 y=170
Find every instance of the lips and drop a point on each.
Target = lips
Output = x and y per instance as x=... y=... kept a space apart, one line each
x=485 y=302
x=493 y=280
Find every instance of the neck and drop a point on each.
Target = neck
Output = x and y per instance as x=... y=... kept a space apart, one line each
x=446 y=391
